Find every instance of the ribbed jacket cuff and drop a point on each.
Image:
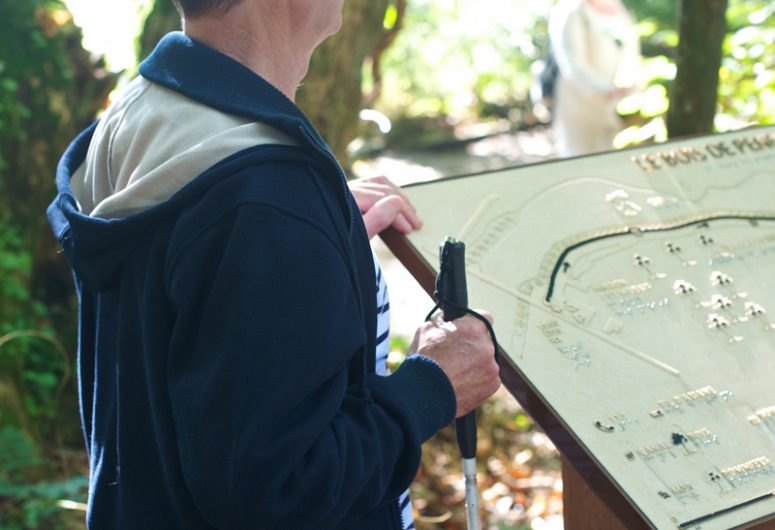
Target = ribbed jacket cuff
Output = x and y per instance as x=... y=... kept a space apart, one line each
x=424 y=388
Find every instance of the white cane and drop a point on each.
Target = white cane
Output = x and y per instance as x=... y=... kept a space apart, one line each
x=452 y=292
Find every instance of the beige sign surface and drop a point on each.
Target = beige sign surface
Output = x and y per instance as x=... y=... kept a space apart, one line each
x=635 y=292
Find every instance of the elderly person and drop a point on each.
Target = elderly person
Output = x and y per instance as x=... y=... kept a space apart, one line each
x=229 y=328
x=597 y=49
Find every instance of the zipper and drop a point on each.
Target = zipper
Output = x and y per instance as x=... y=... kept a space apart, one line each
x=316 y=143
x=319 y=146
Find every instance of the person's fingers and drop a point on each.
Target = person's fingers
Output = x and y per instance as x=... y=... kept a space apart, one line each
x=402 y=224
x=368 y=192
x=365 y=198
x=408 y=210
x=390 y=211
x=411 y=216
x=382 y=214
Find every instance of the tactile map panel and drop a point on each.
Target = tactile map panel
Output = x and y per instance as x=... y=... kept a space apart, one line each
x=635 y=291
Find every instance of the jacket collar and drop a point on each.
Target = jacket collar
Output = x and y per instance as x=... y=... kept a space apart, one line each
x=218 y=81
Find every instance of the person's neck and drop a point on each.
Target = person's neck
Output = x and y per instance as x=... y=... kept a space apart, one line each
x=260 y=41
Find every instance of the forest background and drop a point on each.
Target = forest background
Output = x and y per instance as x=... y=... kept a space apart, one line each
x=427 y=74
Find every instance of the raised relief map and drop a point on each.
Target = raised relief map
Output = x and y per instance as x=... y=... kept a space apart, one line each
x=635 y=292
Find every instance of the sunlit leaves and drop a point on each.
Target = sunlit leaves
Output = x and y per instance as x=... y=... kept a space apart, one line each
x=391 y=17
x=454 y=57
x=747 y=79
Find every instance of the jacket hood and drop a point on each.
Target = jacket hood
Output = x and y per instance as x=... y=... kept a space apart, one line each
x=127 y=170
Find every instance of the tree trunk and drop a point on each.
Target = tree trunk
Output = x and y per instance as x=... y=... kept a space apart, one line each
x=694 y=95
x=331 y=94
x=162 y=19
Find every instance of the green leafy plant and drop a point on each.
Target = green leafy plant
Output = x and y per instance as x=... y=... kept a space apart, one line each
x=746 y=85
x=34 y=367
x=50 y=88
x=25 y=505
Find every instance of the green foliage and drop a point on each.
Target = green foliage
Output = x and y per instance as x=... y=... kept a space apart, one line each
x=17 y=454
x=399 y=344
x=747 y=82
x=50 y=88
x=25 y=504
x=747 y=87
x=391 y=17
x=33 y=368
x=15 y=265
x=33 y=364
x=457 y=60
x=662 y=13
x=162 y=18
x=34 y=74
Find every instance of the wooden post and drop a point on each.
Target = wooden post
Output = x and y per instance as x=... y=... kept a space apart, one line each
x=582 y=508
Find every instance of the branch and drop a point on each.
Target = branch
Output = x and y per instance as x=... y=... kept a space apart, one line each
x=376 y=55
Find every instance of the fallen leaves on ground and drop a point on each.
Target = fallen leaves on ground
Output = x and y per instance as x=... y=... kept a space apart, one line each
x=520 y=485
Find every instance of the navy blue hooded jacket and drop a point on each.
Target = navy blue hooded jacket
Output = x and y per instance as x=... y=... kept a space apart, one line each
x=226 y=339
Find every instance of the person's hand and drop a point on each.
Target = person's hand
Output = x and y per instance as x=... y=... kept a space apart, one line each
x=464 y=350
x=384 y=204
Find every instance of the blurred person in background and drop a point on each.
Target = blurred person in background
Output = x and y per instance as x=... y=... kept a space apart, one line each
x=597 y=49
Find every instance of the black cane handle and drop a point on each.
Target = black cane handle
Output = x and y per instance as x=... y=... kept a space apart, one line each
x=452 y=292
